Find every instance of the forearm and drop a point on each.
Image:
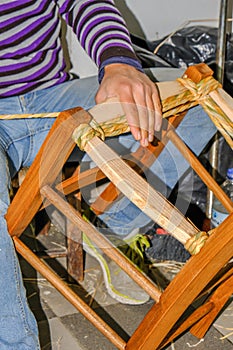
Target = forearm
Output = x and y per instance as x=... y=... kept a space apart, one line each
x=100 y=29
x=102 y=32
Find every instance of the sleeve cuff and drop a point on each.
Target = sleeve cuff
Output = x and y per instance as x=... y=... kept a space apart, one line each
x=119 y=59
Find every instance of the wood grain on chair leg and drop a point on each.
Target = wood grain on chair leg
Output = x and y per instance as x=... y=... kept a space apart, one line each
x=219 y=298
x=145 y=156
x=44 y=169
x=74 y=242
x=68 y=293
x=185 y=287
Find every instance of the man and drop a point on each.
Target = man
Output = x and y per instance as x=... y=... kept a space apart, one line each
x=33 y=79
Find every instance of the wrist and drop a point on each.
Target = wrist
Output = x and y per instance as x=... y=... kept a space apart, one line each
x=118 y=60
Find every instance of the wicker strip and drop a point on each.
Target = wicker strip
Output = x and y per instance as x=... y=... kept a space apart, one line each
x=200 y=93
x=24 y=116
x=173 y=105
x=113 y=127
x=195 y=243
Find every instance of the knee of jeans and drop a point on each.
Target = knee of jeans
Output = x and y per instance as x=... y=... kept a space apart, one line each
x=5 y=185
x=196 y=129
x=124 y=221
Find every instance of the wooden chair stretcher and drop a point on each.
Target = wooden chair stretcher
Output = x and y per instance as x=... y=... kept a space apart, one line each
x=162 y=323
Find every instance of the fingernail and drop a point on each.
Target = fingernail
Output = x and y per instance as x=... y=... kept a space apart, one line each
x=138 y=136
x=145 y=142
x=151 y=137
x=158 y=127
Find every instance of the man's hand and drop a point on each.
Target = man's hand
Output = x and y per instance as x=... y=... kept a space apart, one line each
x=139 y=98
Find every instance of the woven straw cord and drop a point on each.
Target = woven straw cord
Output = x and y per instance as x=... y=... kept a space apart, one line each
x=190 y=97
x=24 y=116
x=193 y=95
x=113 y=127
x=173 y=105
x=201 y=92
x=196 y=242
x=220 y=120
x=201 y=89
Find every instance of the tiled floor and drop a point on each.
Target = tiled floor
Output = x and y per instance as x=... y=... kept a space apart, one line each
x=62 y=327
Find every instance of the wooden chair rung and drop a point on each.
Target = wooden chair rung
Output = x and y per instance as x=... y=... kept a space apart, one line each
x=68 y=293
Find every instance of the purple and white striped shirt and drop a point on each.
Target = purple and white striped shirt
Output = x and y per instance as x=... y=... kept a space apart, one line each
x=30 y=46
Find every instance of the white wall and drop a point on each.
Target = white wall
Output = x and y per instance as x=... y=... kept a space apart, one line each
x=151 y=19
x=160 y=17
x=82 y=64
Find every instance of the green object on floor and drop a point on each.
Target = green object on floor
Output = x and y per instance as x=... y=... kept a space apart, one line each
x=118 y=284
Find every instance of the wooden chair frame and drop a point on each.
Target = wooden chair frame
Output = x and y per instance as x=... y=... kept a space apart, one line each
x=211 y=274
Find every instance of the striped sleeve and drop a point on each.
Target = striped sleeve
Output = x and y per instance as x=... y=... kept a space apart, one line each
x=30 y=49
x=31 y=52
x=100 y=29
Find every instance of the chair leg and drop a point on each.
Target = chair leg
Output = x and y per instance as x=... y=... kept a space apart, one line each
x=45 y=169
x=75 y=256
x=219 y=299
x=145 y=156
x=74 y=242
x=184 y=289
x=68 y=293
x=200 y=170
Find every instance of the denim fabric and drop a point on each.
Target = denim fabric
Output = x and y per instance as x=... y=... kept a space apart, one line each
x=20 y=141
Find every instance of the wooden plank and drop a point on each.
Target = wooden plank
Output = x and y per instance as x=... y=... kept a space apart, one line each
x=45 y=168
x=80 y=180
x=201 y=171
x=219 y=299
x=224 y=101
x=184 y=288
x=170 y=88
x=112 y=108
x=133 y=186
x=143 y=157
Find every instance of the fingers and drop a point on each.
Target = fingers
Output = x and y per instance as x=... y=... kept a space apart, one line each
x=143 y=114
x=157 y=110
x=139 y=98
x=132 y=116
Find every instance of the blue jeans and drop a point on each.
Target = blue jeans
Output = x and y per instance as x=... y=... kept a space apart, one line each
x=19 y=143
